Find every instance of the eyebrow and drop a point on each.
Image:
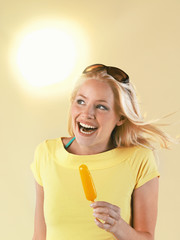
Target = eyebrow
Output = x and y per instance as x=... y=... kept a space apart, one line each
x=100 y=100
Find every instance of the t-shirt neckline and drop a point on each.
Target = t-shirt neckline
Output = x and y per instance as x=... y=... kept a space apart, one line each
x=102 y=160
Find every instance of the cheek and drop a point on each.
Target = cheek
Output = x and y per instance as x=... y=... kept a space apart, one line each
x=74 y=112
x=110 y=120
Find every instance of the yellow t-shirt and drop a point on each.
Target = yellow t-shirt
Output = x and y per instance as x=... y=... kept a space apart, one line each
x=116 y=173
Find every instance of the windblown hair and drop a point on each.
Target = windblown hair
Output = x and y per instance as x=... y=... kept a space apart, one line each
x=135 y=130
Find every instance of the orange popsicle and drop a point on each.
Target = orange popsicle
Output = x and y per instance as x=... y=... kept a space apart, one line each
x=87 y=182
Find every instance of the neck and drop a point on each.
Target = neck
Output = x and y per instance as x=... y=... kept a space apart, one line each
x=89 y=150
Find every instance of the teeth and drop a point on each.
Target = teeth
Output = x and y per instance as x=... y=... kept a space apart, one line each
x=86 y=132
x=86 y=126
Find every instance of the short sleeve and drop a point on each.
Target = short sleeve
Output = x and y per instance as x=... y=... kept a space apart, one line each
x=36 y=164
x=147 y=169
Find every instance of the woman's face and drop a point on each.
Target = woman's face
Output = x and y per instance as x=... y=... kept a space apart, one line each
x=93 y=115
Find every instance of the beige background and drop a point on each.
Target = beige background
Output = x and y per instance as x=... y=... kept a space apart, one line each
x=141 y=37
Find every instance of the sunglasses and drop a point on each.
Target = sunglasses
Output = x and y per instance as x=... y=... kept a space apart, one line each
x=116 y=73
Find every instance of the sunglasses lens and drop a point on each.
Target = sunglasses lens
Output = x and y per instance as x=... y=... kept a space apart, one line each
x=116 y=73
x=93 y=68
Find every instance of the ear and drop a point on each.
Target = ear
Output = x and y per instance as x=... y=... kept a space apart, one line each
x=121 y=121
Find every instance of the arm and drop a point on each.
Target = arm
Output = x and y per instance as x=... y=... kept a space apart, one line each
x=145 y=199
x=145 y=204
x=39 y=221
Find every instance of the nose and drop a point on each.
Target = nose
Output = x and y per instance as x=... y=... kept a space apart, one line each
x=88 y=112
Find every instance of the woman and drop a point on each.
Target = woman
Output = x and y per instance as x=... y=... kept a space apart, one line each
x=109 y=135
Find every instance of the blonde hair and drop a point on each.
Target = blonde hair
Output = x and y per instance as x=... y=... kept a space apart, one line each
x=135 y=130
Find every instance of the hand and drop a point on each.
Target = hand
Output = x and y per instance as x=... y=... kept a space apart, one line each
x=109 y=213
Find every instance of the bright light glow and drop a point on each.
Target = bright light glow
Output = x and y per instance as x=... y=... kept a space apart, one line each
x=46 y=56
x=46 y=53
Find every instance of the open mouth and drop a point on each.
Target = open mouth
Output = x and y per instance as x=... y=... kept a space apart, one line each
x=86 y=129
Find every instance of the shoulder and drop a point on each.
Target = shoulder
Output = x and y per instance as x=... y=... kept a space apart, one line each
x=141 y=155
x=136 y=151
x=48 y=145
x=140 y=151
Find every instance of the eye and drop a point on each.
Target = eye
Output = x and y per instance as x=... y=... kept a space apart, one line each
x=102 y=107
x=80 y=102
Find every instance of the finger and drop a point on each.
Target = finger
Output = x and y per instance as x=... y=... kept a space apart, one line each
x=104 y=204
x=108 y=208
x=108 y=212
x=107 y=219
x=105 y=226
x=102 y=225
